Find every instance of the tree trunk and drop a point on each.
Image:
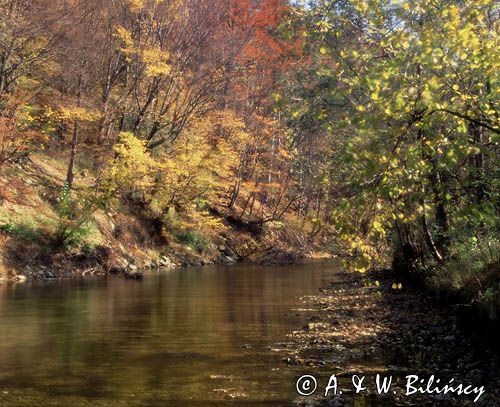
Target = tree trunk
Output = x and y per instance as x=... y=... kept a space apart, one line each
x=74 y=142
x=477 y=163
x=70 y=177
x=443 y=233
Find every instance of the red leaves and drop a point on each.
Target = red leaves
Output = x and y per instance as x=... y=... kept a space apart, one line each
x=264 y=48
x=12 y=141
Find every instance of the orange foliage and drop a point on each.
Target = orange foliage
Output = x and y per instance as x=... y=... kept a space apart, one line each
x=264 y=52
x=13 y=142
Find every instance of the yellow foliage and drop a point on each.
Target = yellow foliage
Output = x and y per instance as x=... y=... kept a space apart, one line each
x=202 y=162
x=125 y=37
x=76 y=113
x=156 y=62
x=136 y=6
x=133 y=167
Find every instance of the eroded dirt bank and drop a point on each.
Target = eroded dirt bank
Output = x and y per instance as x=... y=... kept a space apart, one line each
x=123 y=237
x=374 y=324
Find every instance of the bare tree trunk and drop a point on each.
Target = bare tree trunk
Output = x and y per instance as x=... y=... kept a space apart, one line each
x=477 y=163
x=252 y=204
x=70 y=177
x=235 y=194
x=243 y=211
x=427 y=233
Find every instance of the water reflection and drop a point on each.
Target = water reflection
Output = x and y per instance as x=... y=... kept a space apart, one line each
x=176 y=338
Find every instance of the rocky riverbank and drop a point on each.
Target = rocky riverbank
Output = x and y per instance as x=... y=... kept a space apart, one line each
x=375 y=324
x=132 y=260
x=104 y=260
x=124 y=237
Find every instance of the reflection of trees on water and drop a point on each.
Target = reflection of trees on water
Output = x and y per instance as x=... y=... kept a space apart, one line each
x=158 y=339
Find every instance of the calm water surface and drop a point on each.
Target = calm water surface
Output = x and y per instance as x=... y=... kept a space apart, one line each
x=201 y=337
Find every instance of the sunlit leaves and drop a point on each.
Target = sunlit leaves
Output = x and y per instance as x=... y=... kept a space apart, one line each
x=201 y=165
x=416 y=79
x=157 y=61
x=136 y=5
x=133 y=168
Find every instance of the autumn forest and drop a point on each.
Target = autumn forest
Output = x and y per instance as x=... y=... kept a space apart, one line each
x=364 y=129
x=179 y=177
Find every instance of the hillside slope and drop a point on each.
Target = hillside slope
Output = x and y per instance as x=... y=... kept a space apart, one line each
x=119 y=239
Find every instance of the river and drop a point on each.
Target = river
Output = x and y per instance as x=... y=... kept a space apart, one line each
x=201 y=337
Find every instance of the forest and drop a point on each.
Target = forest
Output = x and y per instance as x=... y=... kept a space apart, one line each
x=367 y=129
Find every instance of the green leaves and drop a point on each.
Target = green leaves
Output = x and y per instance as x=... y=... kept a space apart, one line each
x=419 y=115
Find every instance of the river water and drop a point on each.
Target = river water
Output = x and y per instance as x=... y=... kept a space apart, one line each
x=195 y=337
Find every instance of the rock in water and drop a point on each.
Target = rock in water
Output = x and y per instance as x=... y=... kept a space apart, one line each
x=137 y=275
x=165 y=262
x=133 y=273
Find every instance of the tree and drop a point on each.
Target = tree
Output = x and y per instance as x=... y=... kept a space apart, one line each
x=409 y=94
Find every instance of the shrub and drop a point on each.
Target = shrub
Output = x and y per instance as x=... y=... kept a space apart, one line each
x=22 y=232
x=193 y=239
x=75 y=225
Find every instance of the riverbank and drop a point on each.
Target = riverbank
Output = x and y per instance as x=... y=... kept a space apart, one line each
x=377 y=324
x=122 y=237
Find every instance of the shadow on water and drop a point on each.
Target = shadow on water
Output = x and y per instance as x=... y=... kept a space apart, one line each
x=177 y=338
